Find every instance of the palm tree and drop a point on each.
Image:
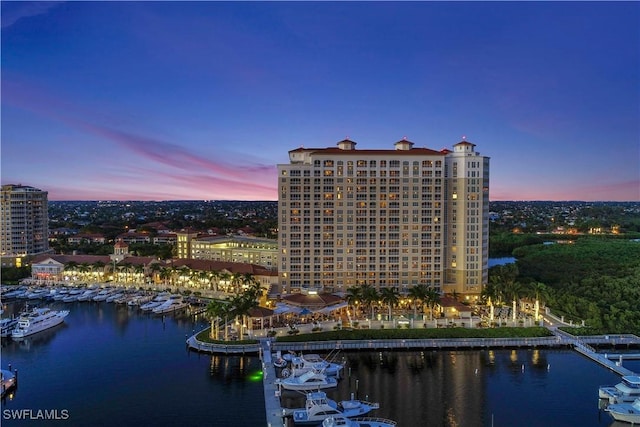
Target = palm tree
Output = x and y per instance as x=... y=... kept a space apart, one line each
x=491 y=295
x=432 y=298
x=71 y=267
x=540 y=292
x=513 y=291
x=236 y=281
x=181 y=273
x=138 y=272
x=242 y=303
x=165 y=274
x=216 y=310
x=126 y=267
x=155 y=268
x=354 y=297
x=417 y=294
x=203 y=278
x=390 y=296
x=226 y=278
x=99 y=266
x=369 y=296
x=83 y=269
x=214 y=278
x=174 y=273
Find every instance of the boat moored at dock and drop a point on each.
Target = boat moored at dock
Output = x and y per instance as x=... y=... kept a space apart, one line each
x=318 y=407
x=174 y=303
x=357 y=422
x=310 y=380
x=37 y=320
x=157 y=301
x=626 y=412
x=625 y=391
x=306 y=362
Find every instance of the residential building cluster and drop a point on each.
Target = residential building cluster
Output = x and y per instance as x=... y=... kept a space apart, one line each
x=390 y=218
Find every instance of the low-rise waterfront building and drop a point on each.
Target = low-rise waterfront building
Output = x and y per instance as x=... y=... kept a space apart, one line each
x=241 y=249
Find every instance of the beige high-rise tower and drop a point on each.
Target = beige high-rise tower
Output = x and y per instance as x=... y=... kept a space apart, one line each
x=389 y=218
x=24 y=222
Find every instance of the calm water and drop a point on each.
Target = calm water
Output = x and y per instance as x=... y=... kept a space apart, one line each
x=111 y=365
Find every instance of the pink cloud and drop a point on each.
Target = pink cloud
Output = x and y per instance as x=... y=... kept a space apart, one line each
x=163 y=152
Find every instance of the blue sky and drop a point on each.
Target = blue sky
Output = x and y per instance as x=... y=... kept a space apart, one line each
x=201 y=100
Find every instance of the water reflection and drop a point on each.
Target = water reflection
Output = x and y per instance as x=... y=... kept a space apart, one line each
x=228 y=369
x=454 y=388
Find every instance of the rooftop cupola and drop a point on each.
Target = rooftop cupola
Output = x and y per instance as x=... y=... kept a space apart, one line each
x=347 y=144
x=464 y=146
x=403 y=144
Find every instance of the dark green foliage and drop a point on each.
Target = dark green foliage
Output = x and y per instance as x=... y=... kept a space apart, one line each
x=11 y=275
x=381 y=334
x=503 y=244
x=596 y=280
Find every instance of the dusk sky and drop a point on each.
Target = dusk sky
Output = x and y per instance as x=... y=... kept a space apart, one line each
x=201 y=100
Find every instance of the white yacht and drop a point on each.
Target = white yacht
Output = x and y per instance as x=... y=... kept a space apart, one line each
x=318 y=407
x=175 y=302
x=38 y=293
x=88 y=295
x=73 y=295
x=14 y=293
x=334 y=421
x=114 y=295
x=306 y=362
x=60 y=294
x=626 y=412
x=38 y=320
x=103 y=294
x=159 y=299
x=139 y=300
x=310 y=380
x=625 y=391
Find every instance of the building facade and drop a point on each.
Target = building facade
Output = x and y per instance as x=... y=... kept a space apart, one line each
x=24 y=223
x=387 y=218
x=241 y=249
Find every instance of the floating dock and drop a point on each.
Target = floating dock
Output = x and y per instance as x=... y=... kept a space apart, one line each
x=9 y=381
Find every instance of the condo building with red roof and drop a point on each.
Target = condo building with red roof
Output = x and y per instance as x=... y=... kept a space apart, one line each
x=384 y=217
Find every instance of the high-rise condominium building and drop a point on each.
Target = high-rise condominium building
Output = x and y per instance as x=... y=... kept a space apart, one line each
x=24 y=221
x=388 y=218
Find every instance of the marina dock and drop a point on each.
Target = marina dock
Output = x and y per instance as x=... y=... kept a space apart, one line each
x=276 y=416
x=271 y=391
x=583 y=346
x=8 y=380
x=603 y=360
